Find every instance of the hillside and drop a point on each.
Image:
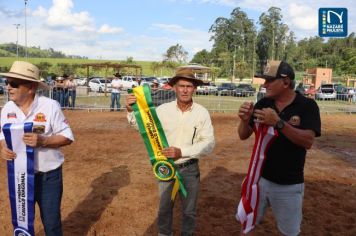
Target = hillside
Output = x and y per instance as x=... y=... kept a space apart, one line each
x=9 y=50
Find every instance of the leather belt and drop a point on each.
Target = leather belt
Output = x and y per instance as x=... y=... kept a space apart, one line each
x=187 y=163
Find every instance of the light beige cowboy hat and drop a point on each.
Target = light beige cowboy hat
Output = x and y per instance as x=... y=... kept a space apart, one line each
x=25 y=71
x=185 y=74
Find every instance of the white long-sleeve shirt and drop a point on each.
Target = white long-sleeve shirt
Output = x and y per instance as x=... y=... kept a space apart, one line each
x=191 y=131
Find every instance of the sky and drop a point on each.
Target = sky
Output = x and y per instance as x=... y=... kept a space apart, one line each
x=143 y=29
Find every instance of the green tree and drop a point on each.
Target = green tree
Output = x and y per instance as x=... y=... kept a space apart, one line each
x=234 y=40
x=202 y=57
x=272 y=37
x=176 y=53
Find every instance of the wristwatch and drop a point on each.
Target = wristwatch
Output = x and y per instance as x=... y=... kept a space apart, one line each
x=280 y=124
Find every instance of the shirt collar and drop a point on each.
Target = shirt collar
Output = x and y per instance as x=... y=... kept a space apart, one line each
x=189 y=109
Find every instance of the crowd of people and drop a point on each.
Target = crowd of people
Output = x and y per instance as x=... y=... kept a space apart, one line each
x=64 y=90
x=293 y=119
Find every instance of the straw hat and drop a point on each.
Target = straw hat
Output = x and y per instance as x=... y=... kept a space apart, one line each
x=25 y=71
x=184 y=74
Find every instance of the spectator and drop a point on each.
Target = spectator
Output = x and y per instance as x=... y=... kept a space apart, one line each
x=72 y=91
x=59 y=90
x=310 y=93
x=300 y=89
x=154 y=85
x=65 y=90
x=116 y=85
x=351 y=95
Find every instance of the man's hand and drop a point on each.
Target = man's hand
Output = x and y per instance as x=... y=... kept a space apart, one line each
x=266 y=116
x=172 y=152
x=6 y=153
x=130 y=99
x=245 y=111
x=34 y=140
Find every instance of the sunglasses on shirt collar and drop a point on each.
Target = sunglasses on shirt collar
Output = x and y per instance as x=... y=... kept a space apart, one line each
x=16 y=84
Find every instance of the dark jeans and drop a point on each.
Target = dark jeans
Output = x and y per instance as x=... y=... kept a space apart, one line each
x=73 y=95
x=58 y=95
x=48 y=195
x=115 y=97
x=191 y=180
x=65 y=98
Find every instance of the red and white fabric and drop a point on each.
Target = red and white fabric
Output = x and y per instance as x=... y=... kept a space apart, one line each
x=248 y=205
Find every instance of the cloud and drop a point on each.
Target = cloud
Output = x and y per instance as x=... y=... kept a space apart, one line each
x=40 y=12
x=10 y=13
x=106 y=29
x=61 y=15
x=303 y=17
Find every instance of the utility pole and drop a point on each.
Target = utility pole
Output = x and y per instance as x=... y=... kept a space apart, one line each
x=234 y=65
x=253 y=57
x=26 y=28
x=17 y=40
x=272 y=40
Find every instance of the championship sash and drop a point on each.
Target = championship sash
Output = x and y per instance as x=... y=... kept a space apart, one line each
x=155 y=140
x=248 y=205
x=21 y=179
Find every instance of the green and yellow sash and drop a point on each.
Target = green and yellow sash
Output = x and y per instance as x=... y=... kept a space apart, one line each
x=154 y=138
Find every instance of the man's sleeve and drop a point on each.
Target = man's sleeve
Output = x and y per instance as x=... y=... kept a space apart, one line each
x=60 y=124
x=312 y=120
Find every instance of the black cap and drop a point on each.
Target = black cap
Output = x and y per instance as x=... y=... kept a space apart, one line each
x=277 y=70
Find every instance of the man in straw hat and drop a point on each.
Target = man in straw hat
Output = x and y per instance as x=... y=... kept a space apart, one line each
x=187 y=126
x=295 y=122
x=50 y=131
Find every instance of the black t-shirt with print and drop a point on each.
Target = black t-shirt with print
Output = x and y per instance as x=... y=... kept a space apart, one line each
x=285 y=160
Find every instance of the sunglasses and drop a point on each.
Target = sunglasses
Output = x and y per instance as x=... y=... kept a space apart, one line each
x=16 y=84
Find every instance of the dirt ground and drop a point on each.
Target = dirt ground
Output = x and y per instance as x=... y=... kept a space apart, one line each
x=109 y=187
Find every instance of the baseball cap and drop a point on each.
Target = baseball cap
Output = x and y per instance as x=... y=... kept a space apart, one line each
x=277 y=70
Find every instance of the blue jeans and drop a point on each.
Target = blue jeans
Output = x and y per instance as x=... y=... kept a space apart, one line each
x=48 y=195
x=73 y=95
x=191 y=180
x=115 y=97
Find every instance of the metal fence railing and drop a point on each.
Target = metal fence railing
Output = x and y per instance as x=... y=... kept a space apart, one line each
x=216 y=102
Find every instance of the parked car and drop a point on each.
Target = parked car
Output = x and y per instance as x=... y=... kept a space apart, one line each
x=207 y=88
x=81 y=81
x=98 y=85
x=226 y=89
x=147 y=80
x=244 y=90
x=129 y=82
x=326 y=92
x=2 y=85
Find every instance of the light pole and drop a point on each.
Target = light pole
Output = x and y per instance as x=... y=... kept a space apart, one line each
x=17 y=40
x=234 y=65
x=26 y=28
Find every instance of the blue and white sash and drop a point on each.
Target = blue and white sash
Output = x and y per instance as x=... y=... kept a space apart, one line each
x=21 y=179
